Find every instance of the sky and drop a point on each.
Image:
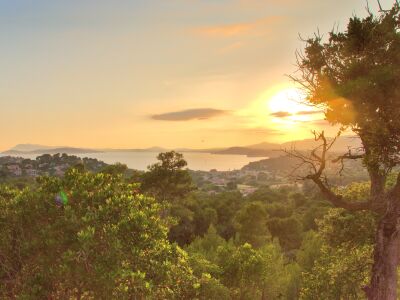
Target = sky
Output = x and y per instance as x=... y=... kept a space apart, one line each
x=171 y=73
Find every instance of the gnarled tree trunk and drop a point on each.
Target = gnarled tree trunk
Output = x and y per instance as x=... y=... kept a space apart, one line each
x=383 y=285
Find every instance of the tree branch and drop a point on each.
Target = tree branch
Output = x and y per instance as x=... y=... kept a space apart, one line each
x=338 y=200
x=316 y=160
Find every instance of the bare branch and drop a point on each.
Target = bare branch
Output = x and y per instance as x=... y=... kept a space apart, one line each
x=348 y=156
x=338 y=200
x=380 y=6
x=368 y=9
x=316 y=161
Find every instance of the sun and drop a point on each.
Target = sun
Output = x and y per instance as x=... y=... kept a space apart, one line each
x=287 y=100
x=283 y=111
x=288 y=106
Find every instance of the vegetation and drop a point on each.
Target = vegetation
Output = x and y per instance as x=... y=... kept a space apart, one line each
x=106 y=242
x=110 y=241
x=99 y=231
x=353 y=76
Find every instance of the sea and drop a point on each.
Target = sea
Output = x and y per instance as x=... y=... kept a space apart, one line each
x=196 y=160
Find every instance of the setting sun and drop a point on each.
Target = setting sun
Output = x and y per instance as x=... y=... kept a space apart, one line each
x=287 y=100
x=288 y=106
x=282 y=112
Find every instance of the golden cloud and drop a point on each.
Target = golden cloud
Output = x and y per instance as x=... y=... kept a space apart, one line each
x=237 y=29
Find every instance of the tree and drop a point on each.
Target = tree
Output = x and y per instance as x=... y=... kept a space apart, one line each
x=251 y=224
x=254 y=273
x=115 y=169
x=166 y=180
x=354 y=76
x=288 y=230
x=104 y=242
x=249 y=273
x=336 y=261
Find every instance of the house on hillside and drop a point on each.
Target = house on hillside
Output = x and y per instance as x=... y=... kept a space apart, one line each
x=32 y=172
x=15 y=169
x=246 y=190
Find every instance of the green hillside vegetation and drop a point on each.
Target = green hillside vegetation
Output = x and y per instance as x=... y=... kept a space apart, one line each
x=116 y=239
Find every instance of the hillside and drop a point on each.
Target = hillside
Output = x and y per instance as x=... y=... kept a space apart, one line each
x=48 y=150
x=264 y=149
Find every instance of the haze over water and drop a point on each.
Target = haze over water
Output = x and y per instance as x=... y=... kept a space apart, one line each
x=196 y=160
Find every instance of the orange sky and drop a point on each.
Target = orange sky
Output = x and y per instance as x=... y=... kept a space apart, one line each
x=175 y=73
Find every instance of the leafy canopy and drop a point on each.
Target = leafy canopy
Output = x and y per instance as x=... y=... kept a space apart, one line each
x=167 y=180
x=355 y=76
x=106 y=242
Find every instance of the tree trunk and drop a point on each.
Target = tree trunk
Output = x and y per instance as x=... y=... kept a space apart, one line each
x=383 y=285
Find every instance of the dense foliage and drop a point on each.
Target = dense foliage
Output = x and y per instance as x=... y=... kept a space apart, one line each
x=106 y=242
x=109 y=241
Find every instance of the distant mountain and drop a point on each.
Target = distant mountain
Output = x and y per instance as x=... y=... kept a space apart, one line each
x=50 y=150
x=31 y=147
x=264 y=149
x=265 y=146
x=342 y=144
x=270 y=150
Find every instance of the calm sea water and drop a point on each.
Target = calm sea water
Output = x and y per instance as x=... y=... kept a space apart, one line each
x=196 y=161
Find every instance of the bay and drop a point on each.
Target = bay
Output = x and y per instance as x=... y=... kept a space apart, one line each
x=139 y=160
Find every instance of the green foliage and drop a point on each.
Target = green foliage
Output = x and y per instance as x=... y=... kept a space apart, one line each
x=251 y=224
x=251 y=273
x=183 y=232
x=342 y=263
x=167 y=180
x=107 y=242
x=279 y=210
x=115 y=169
x=336 y=261
x=309 y=251
x=207 y=246
x=212 y=289
x=287 y=230
x=194 y=216
x=268 y=195
x=339 y=273
x=355 y=75
x=339 y=226
x=247 y=273
x=298 y=199
x=205 y=210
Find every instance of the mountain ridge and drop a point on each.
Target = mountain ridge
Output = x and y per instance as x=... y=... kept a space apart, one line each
x=263 y=149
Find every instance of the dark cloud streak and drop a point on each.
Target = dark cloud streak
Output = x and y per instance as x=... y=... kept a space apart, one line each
x=190 y=114
x=281 y=114
x=285 y=114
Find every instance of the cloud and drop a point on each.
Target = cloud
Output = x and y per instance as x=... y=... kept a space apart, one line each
x=236 y=29
x=309 y=112
x=284 y=114
x=190 y=114
x=281 y=114
x=225 y=30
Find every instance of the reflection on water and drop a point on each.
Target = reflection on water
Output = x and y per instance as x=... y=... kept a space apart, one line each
x=196 y=160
